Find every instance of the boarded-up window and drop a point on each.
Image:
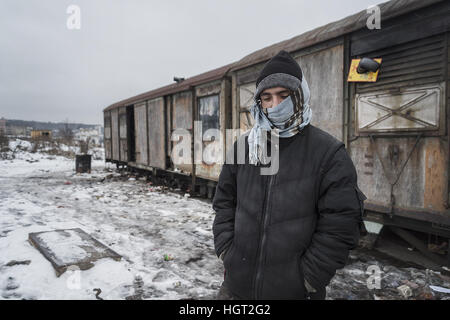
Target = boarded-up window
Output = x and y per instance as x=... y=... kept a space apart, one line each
x=246 y=93
x=208 y=111
x=182 y=110
x=123 y=126
x=323 y=71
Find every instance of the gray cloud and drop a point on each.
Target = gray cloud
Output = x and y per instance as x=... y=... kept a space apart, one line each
x=123 y=48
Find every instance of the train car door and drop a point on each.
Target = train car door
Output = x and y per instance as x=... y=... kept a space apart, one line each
x=131 y=134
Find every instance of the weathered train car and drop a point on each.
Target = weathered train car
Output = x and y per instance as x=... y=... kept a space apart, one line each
x=145 y=130
x=399 y=128
x=395 y=129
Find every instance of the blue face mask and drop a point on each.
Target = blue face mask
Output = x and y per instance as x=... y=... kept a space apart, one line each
x=282 y=112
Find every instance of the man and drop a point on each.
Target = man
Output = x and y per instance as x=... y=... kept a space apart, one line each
x=284 y=235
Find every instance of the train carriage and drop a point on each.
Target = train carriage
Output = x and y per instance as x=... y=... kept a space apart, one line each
x=396 y=129
x=147 y=129
x=398 y=134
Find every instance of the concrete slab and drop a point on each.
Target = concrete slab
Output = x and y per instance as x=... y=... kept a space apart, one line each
x=70 y=247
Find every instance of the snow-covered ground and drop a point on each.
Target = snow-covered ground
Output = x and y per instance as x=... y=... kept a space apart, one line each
x=165 y=239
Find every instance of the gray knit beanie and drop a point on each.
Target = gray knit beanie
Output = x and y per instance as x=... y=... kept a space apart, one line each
x=280 y=71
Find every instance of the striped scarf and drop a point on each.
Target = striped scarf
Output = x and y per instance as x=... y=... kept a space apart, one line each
x=263 y=126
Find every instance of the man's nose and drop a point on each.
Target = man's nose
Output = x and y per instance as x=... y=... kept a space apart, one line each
x=276 y=101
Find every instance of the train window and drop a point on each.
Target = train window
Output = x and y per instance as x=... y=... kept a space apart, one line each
x=182 y=110
x=208 y=111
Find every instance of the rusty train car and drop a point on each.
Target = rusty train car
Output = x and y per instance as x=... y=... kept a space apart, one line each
x=138 y=130
x=396 y=129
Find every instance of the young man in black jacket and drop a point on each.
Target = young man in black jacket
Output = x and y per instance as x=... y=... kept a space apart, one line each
x=283 y=234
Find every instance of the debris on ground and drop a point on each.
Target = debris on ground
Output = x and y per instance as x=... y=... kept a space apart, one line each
x=405 y=291
x=16 y=263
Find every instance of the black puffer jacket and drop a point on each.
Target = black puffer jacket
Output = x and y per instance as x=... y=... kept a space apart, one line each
x=301 y=222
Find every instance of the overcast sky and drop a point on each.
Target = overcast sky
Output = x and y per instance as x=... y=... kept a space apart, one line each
x=125 y=47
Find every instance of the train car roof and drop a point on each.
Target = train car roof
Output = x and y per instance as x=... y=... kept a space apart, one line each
x=174 y=87
x=332 y=30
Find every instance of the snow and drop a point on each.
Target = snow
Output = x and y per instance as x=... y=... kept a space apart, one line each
x=144 y=224
x=22 y=143
x=139 y=221
x=58 y=244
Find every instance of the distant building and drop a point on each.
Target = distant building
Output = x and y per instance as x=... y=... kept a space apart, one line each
x=40 y=134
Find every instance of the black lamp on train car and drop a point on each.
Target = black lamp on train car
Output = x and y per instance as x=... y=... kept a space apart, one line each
x=367 y=65
x=364 y=70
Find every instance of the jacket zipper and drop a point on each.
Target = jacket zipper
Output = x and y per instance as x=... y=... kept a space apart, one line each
x=258 y=278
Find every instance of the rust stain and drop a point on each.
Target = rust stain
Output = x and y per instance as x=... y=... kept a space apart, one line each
x=435 y=177
x=369 y=162
x=394 y=154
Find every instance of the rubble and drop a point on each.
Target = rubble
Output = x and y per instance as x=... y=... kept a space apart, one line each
x=440 y=289
x=405 y=291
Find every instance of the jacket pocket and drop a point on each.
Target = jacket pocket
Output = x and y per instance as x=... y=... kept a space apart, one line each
x=361 y=198
x=227 y=255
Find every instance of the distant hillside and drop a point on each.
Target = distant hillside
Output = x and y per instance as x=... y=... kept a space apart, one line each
x=37 y=125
